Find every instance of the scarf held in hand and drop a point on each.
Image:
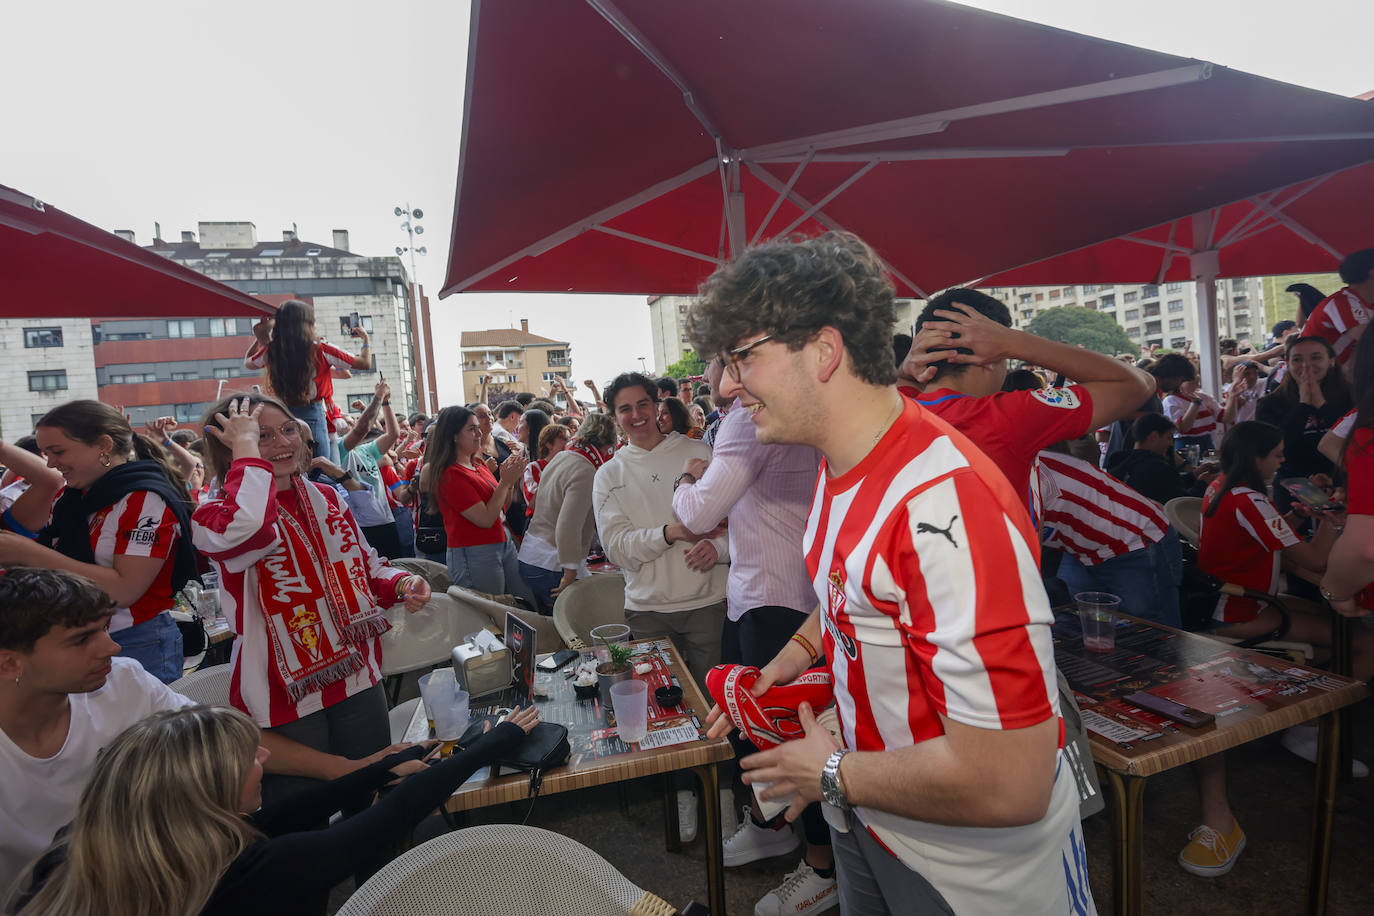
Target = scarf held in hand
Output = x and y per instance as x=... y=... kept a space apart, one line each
x=314 y=593
x=771 y=719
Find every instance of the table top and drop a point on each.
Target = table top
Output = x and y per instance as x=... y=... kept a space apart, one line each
x=598 y=756
x=1250 y=693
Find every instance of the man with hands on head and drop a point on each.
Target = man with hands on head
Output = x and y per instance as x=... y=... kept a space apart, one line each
x=944 y=791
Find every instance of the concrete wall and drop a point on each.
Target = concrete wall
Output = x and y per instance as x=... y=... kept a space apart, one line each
x=19 y=406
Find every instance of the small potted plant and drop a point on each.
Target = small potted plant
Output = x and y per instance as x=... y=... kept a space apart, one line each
x=614 y=671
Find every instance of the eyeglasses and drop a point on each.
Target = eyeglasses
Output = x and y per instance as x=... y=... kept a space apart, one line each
x=733 y=358
x=288 y=432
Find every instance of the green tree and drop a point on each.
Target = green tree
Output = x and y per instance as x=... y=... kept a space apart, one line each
x=1072 y=324
x=690 y=364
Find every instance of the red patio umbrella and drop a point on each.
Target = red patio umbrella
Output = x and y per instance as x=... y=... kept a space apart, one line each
x=55 y=265
x=1306 y=227
x=630 y=147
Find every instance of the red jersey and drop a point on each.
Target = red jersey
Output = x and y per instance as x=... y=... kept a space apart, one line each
x=327 y=358
x=1011 y=427
x=1241 y=543
x=139 y=525
x=1089 y=514
x=1359 y=465
x=461 y=489
x=1337 y=321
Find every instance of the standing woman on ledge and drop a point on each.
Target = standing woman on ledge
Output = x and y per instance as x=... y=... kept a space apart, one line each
x=122 y=521
x=299 y=365
x=300 y=586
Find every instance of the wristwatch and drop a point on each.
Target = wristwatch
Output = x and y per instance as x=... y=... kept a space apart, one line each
x=677 y=481
x=830 y=780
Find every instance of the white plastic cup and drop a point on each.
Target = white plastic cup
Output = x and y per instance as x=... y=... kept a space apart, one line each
x=1095 y=612
x=630 y=699
x=433 y=687
x=451 y=715
x=605 y=634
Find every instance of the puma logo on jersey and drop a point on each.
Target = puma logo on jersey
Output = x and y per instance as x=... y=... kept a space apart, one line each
x=928 y=528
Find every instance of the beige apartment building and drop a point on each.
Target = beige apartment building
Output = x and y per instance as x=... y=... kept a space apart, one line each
x=516 y=360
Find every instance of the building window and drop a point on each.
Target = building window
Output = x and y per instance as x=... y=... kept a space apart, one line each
x=1151 y=309
x=224 y=327
x=1152 y=327
x=1178 y=343
x=1109 y=301
x=48 y=380
x=133 y=378
x=1090 y=304
x=1150 y=291
x=1175 y=324
x=364 y=320
x=185 y=412
x=1028 y=314
x=128 y=335
x=1175 y=305
x=1039 y=297
x=1242 y=321
x=1026 y=298
x=365 y=397
x=1133 y=332
x=1172 y=287
x=185 y=327
x=553 y=376
x=1130 y=296
x=1089 y=288
x=1131 y=315
x=559 y=358
x=1054 y=294
x=1155 y=342
x=184 y=376
x=42 y=337
x=222 y=372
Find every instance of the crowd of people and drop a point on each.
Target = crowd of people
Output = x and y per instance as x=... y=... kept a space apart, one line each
x=900 y=514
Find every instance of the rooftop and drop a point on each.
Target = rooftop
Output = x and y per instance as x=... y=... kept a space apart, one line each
x=506 y=337
x=192 y=251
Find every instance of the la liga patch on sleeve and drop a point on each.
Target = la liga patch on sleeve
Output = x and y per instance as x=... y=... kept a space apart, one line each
x=1057 y=397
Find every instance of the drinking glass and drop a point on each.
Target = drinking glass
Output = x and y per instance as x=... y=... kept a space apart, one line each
x=1099 y=623
x=450 y=718
x=604 y=635
x=432 y=689
x=631 y=702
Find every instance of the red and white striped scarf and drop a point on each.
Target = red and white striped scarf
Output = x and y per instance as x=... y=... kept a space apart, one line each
x=596 y=456
x=771 y=719
x=314 y=593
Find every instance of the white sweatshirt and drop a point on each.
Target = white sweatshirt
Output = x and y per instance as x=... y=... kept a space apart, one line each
x=632 y=497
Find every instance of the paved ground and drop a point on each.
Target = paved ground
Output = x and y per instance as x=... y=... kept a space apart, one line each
x=1271 y=792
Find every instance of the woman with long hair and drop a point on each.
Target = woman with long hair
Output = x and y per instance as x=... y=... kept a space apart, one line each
x=300 y=585
x=672 y=417
x=1242 y=540
x=481 y=555
x=300 y=365
x=554 y=552
x=1349 y=581
x=173 y=823
x=122 y=521
x=1310 y=400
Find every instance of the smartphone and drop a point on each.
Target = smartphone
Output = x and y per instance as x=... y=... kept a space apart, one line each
x=1189 y=716
x=1311 y=495
x=354 y=321
x=558 y=659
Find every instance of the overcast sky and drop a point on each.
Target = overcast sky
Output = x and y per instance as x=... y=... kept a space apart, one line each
x=329 y=115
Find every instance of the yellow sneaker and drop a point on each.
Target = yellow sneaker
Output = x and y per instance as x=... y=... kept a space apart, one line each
x=1209 y=853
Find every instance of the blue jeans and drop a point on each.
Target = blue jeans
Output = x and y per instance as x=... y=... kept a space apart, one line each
x=1145 y=580
x=541 y=581
x=491 y=568
x=313 y=415
x=405 y=529
x=156 y=645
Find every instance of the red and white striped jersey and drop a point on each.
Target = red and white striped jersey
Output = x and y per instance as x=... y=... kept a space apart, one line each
x=1089 y=514
x=140 y=525
x=1337 y=320
x=236 y=530
x=1241 y=543
x=1207 y=420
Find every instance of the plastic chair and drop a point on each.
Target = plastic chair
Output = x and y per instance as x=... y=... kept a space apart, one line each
x=502 y=870
x=1185 y=514
x=208 y=686
x=400 y=718
x=436 y=574
x=586 y=604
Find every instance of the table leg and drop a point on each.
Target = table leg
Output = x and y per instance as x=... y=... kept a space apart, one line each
x=715 y=852
x=1319 y=867
x=1342 y=661
x=1128 y=794
x=672 y=837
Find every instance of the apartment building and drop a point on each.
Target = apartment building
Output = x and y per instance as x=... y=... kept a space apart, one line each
x=517 y=360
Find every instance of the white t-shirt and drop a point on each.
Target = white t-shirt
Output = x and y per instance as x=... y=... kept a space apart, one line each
x=39 y=796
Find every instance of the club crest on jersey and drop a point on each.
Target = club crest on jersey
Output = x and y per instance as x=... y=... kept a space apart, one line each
x=144 y=533
x=1057 y=397
x=836 y=607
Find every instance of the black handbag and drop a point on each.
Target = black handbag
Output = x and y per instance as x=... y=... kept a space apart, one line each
x=545 y=747
x=431 y=540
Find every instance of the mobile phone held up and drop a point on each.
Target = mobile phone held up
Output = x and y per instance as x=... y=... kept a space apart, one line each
x=354 y=322
x=1309 y=494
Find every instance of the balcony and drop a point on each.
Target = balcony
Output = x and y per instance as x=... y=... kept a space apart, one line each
x=560 y=360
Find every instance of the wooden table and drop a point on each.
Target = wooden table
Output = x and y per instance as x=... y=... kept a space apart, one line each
x=1251 y=694
x=585 y=769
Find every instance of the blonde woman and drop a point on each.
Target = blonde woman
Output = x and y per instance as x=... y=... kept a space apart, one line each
x=172 y=822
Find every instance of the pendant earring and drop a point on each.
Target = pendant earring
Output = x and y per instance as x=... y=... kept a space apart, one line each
x=105 y=459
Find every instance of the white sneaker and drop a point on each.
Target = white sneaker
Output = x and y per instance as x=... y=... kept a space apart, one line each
x=802 y=891
x=1302 y=741
x=749 y=843
x=687 y=815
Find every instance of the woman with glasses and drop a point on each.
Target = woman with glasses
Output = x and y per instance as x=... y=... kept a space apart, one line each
x=300 y=585
x=122 y=521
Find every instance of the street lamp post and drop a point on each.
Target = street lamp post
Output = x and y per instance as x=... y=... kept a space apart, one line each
x=642 y=367
x=412 y=228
